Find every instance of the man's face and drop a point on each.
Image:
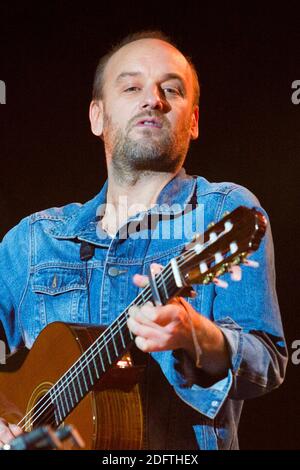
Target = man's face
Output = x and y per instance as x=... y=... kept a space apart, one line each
x=147 y=116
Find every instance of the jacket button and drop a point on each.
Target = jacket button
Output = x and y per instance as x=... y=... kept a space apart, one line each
x=113 y=271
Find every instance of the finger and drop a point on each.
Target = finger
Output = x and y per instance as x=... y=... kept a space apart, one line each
x=161 y=315
x=134 y=310
x=5 y=433
x=141 y=280
x=192 y=294
x=158 y=336
x=158 y=319
x=147 y=345
x=15 y=430
x=251 y=263
x=142 y=343
x=156 y=268
x=220 y=283
x=235 y=273
x=145 y=315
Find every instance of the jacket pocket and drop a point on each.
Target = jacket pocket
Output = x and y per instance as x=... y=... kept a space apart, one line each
x=61 y=294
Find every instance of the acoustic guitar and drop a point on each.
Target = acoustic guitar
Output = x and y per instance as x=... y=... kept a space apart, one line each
x=84 y=376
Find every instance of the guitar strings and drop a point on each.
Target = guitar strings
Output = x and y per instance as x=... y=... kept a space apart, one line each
x=89 y=353
x=94 y=350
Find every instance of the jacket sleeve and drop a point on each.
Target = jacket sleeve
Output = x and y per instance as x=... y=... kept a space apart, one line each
x=249 y=317
x=14 y=273
x=247 y=312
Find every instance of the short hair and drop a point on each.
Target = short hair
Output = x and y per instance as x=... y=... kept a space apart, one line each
x=98 y=84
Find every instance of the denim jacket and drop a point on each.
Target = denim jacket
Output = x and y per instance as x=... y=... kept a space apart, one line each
x=43 y=280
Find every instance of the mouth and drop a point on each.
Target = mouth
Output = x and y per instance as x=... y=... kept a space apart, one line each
x=150 y=122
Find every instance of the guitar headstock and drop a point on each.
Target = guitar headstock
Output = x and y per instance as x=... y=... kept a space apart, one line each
x=224 y=244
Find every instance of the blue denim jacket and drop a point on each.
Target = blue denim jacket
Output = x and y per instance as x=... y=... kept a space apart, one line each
x=43 y=280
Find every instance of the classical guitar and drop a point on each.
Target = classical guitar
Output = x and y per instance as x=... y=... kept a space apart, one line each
x=84 y=376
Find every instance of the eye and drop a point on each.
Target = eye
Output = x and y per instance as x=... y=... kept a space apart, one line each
x=172 y=91
x=132 y=88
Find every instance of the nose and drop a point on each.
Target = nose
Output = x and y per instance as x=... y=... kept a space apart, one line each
x=152 y=99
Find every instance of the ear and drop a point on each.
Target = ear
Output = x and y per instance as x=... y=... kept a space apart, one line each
x=195 y=123
x=96 y=117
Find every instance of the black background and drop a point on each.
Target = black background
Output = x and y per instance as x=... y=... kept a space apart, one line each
x=247 y=57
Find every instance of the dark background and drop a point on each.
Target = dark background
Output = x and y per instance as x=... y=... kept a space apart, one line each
x=247 y=58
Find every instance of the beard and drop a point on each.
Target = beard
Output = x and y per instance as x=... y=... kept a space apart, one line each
x=134 y=157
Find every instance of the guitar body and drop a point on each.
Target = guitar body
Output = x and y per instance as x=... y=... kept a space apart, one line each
x=108 y=417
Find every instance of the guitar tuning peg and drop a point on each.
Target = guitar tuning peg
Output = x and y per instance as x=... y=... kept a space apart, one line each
x=225 y=266
x=236 y=260
x=208 y=278
x=211 y=224
x=221 y=271
x=243 y=256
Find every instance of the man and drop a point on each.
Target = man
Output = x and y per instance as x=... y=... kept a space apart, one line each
x=207 y=353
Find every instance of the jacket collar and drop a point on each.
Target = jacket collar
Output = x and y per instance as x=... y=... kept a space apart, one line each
x=82 y=225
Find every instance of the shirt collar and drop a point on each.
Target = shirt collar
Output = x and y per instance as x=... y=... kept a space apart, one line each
x=82 y=225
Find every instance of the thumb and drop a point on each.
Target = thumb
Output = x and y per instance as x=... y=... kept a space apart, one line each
x=15 y=430
x=141 y=280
